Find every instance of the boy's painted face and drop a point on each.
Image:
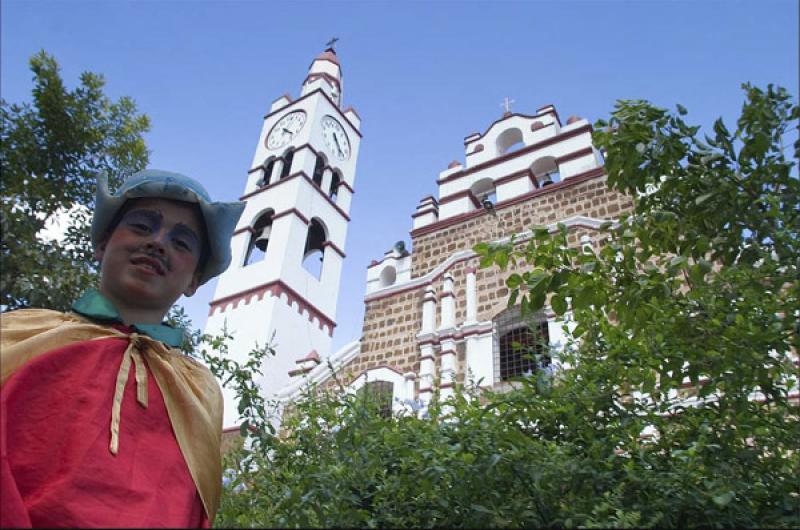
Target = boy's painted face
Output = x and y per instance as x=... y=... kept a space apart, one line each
x=151 y=257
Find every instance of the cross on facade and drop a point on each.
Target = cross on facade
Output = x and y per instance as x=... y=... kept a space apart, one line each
x=331 y=42
x=507 y=104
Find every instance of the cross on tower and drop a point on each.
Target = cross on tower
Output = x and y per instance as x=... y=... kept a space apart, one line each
x=507 y=104
x=331 y=42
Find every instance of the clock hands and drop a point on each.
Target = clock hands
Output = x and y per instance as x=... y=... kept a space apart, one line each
x=338 y=147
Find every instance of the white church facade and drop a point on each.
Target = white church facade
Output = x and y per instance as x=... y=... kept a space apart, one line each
x=433 y=319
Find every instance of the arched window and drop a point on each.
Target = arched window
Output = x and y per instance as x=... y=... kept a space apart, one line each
x=545 y=170
x=315 y=248
x=521 y=345
x=509 y=140
x=266 y=172
x=259 y=239
x=336 y=181
x=378 y=395
x=287 y=164
x=319 y=168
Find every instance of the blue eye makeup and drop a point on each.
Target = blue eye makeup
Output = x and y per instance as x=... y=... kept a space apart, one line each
x=145 y=222
x=142 y=220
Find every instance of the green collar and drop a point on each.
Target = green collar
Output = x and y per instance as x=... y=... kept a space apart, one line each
x=97 y=307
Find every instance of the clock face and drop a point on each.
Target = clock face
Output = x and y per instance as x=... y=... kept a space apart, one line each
x=335 y=138
x=286 y=129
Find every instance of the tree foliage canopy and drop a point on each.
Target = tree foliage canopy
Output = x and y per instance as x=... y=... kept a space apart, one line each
x=52 y=149
x=673 y=402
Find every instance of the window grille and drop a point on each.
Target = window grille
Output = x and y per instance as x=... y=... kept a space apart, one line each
x=520 y=344
x=379 y=393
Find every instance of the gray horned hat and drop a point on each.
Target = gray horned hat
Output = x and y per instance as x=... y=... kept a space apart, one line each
x=220 y=217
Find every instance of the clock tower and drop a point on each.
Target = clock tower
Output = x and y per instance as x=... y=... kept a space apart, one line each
x=288 y=248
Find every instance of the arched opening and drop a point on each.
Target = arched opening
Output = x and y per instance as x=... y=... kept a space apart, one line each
x=509 y=140
x=545 y=170
x=319 y=168
x=485 y=192
x=266 y=172
x=388 y=276
x=259 y=239
x=336 y=181
x=287 y=164
x=521 y=344
x=314 y=251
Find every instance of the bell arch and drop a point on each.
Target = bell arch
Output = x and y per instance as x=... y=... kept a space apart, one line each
x=545 y=170
x=509 y=140
x=266 y=171
x=288 y=157
x=336 y=181
x=314 y=252
x=388 y=276
x=259 y=238
x=484 y=189
x=319 y=169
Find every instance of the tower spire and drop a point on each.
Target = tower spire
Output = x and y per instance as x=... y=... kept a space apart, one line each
x=325 y=73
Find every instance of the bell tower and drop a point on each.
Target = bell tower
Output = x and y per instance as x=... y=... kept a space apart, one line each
x=288 y=247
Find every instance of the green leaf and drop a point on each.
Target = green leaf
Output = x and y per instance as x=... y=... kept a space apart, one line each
x=723 y=499
x=514 y=281
x=720 y=129
x=678 y=261
x=512 y=299
x=558 y=304
x=501 y=256
x=481 y=249
x=541 y=234
x=703 y=198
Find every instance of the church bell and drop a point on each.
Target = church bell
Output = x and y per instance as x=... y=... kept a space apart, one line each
x=263 y=238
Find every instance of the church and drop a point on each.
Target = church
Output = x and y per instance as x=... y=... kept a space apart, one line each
x=433 y=319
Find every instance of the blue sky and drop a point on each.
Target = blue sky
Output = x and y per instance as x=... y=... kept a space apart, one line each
x=422 y=76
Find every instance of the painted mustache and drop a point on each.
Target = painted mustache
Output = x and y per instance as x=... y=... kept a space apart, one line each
x=158 y=263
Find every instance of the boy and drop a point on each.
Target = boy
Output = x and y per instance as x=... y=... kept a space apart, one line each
x=104 y=422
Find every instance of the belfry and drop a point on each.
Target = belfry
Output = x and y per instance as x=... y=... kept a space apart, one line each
x=283 y=283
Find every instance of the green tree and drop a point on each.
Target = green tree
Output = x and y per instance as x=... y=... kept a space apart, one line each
x=52 y=149
x=671 y=406
x=687 y=316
